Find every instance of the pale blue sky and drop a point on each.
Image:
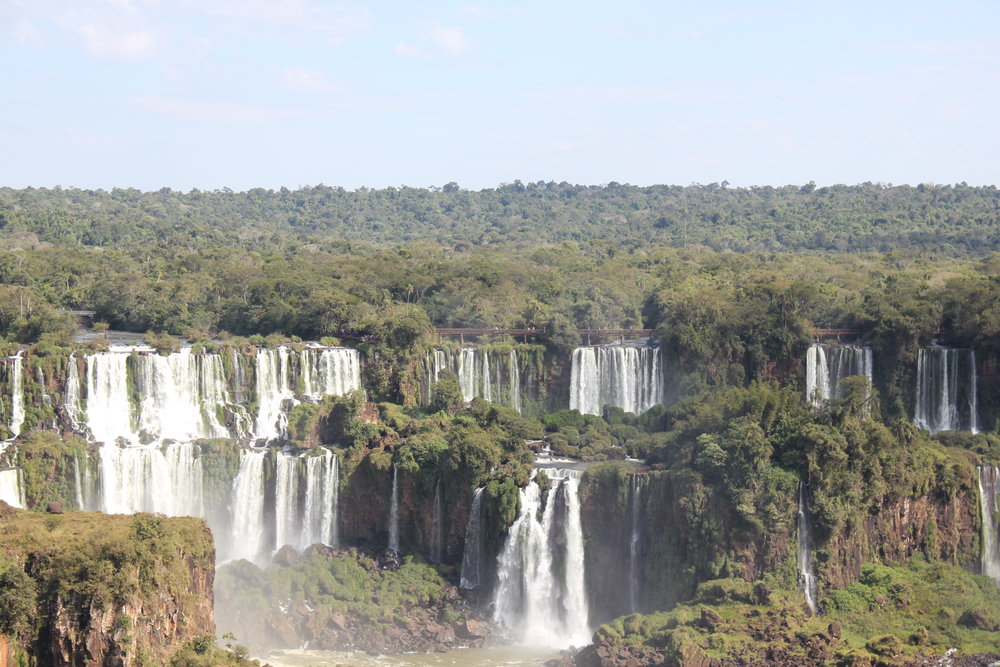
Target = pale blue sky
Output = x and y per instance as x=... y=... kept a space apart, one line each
x=270 y=93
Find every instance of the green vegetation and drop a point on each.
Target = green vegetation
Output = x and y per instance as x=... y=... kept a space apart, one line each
x=889 y=617
x=116 y=571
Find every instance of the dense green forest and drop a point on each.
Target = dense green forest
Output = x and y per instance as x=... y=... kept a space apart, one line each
x=868 y=217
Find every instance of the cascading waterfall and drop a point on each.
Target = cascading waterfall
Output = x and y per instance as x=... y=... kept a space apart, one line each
x=540 y=595
x=10 y=487
x=286 y=515
x=481 y=373
x=247 y=508
x=807 y=576
x=988 y=489
x=947 y=390
x=109 y=406
x=514 y=373
x=149 y=409
x=165 y=479
x=72 y=402
x=626 y=376
x=333 y=371
x=394 y=514
x=78 y=484
x=635 y=541
x=437 y=529
x=16 y=395
x=273 y=390
x=319 y=523
x=467 y=373
x=828 y=365
x=472 y=557
x=183 y=395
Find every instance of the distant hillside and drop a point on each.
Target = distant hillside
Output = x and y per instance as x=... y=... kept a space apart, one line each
x=956 y=219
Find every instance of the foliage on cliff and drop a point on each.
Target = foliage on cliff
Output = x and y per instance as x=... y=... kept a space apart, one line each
x=142 y=581
x=889 y=617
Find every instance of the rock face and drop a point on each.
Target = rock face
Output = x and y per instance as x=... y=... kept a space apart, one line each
x=940 y=527
x=689 y=535
x=109 y=590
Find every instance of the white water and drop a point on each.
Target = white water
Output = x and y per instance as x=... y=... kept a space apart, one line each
x=828 y=365
x=72 y=403
x=286 y=515
x=165 y=479
x=480 y=374
x=946 y=396
x=319 y=523
x=635 y=512
x=472 y=557
x=333 y=371
x=394 y=514
x=988 y=489
x=78 y=485
x=538 y=602
x=514 y=373
x=628 y=377
x=246 y=535
x=807 y=576
x=10 y=487
x=273 y=390
x=16 y=395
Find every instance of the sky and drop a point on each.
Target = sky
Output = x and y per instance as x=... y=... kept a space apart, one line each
x=211 y=94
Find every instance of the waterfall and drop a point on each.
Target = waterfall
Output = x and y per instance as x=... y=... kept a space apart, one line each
x=272 y=391
x=437 y=531
x=109 y=408
x=72 y=403
x=807 y=578
x=10 y=487
x=514 y=376
x=828 y=365
x=628 y=377
x=467 y=373
x=322 y=484
x=78 y=484
x=480 y=373
x=394 y=515
x=16 y=395
x=247 y=508
x=946 y=390
x=286 y=501
x=635 y=540
x=182 y=394
x=329 y=371
x=988 y=490
x=540 y=595
x=165 y=479
x=472 y=557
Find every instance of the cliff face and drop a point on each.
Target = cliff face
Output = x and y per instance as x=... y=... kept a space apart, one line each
x=365 y=501
x=939 y=526
x=687 y=534
x=107 y=590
